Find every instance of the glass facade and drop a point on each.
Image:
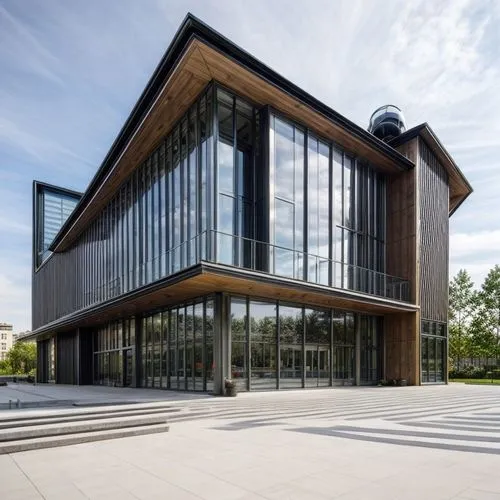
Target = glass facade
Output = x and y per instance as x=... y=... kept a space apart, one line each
x=371 y=348
x=54 y=206
x=114 y=353
x=236 y=130
x=172 y=349
x=157 y=223
x=272 y=344
x=434 y=351
x=235 y=185
x=327 y=213
x=176 y=347
x=241 y=186
x=276 y=345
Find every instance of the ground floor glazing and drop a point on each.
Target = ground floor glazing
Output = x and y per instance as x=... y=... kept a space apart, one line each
x=261 y=345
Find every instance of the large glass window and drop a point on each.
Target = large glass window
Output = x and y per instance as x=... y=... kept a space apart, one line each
x=287 y=184
x=318 y=212
x=343 y=353
x=165 y=317
x=114 y=354
x=173 y=352
x=235 y=157
x=433 y=351
x=317 y=348
x=53 y=208
x=198 y=331
x=371 y=345
x=239 y=343
x=157 y=348
x=312 y=347
x=316 y=187
x=176 y=349
x=263 y=342
x=189 y=348
x=208 y=359
x=291 y=336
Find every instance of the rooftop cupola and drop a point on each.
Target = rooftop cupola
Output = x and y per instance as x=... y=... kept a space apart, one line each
x=387 y=122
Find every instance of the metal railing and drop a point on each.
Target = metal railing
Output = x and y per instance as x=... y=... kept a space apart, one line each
x=237 y=251
x=273 y=259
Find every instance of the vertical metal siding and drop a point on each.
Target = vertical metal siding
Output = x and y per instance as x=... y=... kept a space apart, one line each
x=434 y=236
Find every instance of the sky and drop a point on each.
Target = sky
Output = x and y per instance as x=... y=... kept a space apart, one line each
x=70 y=73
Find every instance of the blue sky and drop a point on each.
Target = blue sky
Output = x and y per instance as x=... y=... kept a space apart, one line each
x=70 y=73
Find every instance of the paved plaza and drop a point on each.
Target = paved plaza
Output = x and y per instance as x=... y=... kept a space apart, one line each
x=436 y=442
x=49 y=395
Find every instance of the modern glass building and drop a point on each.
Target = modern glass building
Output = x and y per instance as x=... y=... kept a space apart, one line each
x=239 y=228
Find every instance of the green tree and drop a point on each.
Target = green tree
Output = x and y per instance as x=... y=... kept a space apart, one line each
x=463 y=300
x=22 y=357
x=5 y=368
x=482 y=338
x=490 y=308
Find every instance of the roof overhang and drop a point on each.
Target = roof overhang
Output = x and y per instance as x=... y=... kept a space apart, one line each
x=460 y=188
x=197 y=56
x=208 y=278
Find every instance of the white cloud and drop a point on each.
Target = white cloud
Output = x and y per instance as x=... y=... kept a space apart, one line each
x=476 y=252
x=15 y=295
x=471 y=244
x=25 y=45
x=11 y=225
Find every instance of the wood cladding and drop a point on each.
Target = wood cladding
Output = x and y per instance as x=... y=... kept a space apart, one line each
x=417 y=248
x=199 y=65
x=434 y=236
x=402 y=211
x=402 y=347
x=458 y=186
x=402 y=331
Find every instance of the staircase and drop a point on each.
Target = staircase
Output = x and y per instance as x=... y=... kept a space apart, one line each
x=24 y=432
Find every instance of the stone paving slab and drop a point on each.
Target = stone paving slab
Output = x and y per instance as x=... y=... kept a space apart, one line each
x=50 y=395
x=229 y=455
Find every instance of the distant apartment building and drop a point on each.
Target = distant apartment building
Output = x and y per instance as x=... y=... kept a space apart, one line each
x=5 y=340
x=19 y=336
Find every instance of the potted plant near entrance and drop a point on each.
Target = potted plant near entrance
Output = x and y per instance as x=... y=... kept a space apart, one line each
x=230 y=387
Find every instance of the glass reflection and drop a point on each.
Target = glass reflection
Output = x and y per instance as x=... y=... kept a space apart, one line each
x=291 y=336
x=239 y=357
x=287 y=218
x=176 y=347
x=317 y=348
x=263 y=345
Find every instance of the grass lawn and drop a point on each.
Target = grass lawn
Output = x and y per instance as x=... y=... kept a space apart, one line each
x=476 y=381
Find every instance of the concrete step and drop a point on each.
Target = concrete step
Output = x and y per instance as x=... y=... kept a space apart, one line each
x=66 y=428
x=84 y=437
x=71 y=410
x=60 y=418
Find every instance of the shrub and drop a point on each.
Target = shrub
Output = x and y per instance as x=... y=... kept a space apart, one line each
x=468 y=372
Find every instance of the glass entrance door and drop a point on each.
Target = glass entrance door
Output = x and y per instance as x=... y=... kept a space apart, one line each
x=343 y=364
x=317 y=366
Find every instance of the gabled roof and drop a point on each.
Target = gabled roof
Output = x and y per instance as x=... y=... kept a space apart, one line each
x=196 y=56
x=460 y=188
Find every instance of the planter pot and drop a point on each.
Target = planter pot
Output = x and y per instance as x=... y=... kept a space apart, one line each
x=231 y=392
x=402 y=383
